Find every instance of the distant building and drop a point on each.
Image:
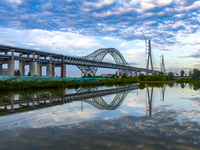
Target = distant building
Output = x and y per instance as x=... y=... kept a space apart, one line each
x=108 y=75
x=4 y=72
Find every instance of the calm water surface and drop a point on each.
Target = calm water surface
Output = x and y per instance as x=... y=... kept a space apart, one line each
x=103 y=118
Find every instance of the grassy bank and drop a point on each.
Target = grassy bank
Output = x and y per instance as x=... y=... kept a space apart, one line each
x=156 y=81
x=35 y=85
x=32 y=85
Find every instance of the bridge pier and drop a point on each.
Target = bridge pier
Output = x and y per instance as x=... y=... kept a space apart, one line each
x=10 y=62
x=32 y=66
x=63 y=69
x=1 y=69
x=49 y=67
x=39 y=69
x=30 y=63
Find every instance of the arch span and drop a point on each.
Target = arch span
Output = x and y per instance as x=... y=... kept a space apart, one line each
x=98 y=56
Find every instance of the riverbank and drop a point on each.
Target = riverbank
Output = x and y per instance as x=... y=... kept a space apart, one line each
x=28 y=85
x=36 y=83
x=156 y=81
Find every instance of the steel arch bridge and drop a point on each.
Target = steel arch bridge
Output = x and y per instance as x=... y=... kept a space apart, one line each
x=87 y=64
x=98 y=56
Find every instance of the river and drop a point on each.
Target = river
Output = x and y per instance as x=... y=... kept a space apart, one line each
x=128 y=117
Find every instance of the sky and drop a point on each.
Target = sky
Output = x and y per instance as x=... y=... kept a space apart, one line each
x=79 y=27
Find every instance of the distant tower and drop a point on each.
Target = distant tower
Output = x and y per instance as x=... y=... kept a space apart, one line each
x=148 y=54
x=162 y=65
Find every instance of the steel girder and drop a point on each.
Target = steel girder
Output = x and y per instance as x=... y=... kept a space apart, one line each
x=98 y=56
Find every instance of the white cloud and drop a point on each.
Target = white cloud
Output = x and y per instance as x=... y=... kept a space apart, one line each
x=15 y=1
x=100 y=3
x=135 y=54
x=109 y=29
x=123 y=44
x=55 y=40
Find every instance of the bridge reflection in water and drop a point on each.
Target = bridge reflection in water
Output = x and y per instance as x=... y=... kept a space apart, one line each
x=92 y=96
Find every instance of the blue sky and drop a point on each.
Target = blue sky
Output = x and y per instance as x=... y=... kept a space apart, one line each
x=80 y=27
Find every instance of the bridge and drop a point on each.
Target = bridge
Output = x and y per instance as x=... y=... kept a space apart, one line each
x=87 y=64
x=92 y=96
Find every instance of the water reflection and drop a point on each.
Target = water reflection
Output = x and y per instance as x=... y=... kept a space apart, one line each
x=171 y=122
x=92 y=96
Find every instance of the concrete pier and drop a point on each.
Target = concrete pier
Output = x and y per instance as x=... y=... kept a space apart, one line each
x=30 y=62
x=39 y=69
x=1 y=69
x=49 y=67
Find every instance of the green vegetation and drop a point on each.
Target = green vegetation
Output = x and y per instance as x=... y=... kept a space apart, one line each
x=89 y=75
x=171 y=76
x=124 y=75
x=17 y=73
x=195 y=74
x=155 y=77
x=28 y=85
x=182 y=73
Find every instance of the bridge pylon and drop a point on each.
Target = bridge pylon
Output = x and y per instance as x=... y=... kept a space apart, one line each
x=148 y=55
x=162 y=65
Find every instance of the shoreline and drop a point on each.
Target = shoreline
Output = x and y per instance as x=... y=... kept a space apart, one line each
x=7 y=86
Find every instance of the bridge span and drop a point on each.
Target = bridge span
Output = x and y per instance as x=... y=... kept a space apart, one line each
x=87 y=64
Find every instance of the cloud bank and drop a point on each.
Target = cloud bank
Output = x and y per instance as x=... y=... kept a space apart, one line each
x=125 y=19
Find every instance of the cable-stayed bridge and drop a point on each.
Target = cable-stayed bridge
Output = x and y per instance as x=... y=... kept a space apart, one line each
x=87 y=64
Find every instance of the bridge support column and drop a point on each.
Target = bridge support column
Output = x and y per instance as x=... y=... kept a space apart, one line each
x=1 y=69
x=11 y=64
x=32 y=66
x=53 y=71
x=63 y=70
x=49 y=67
x=63 y=67
x=39 y=69
x=21 y=68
